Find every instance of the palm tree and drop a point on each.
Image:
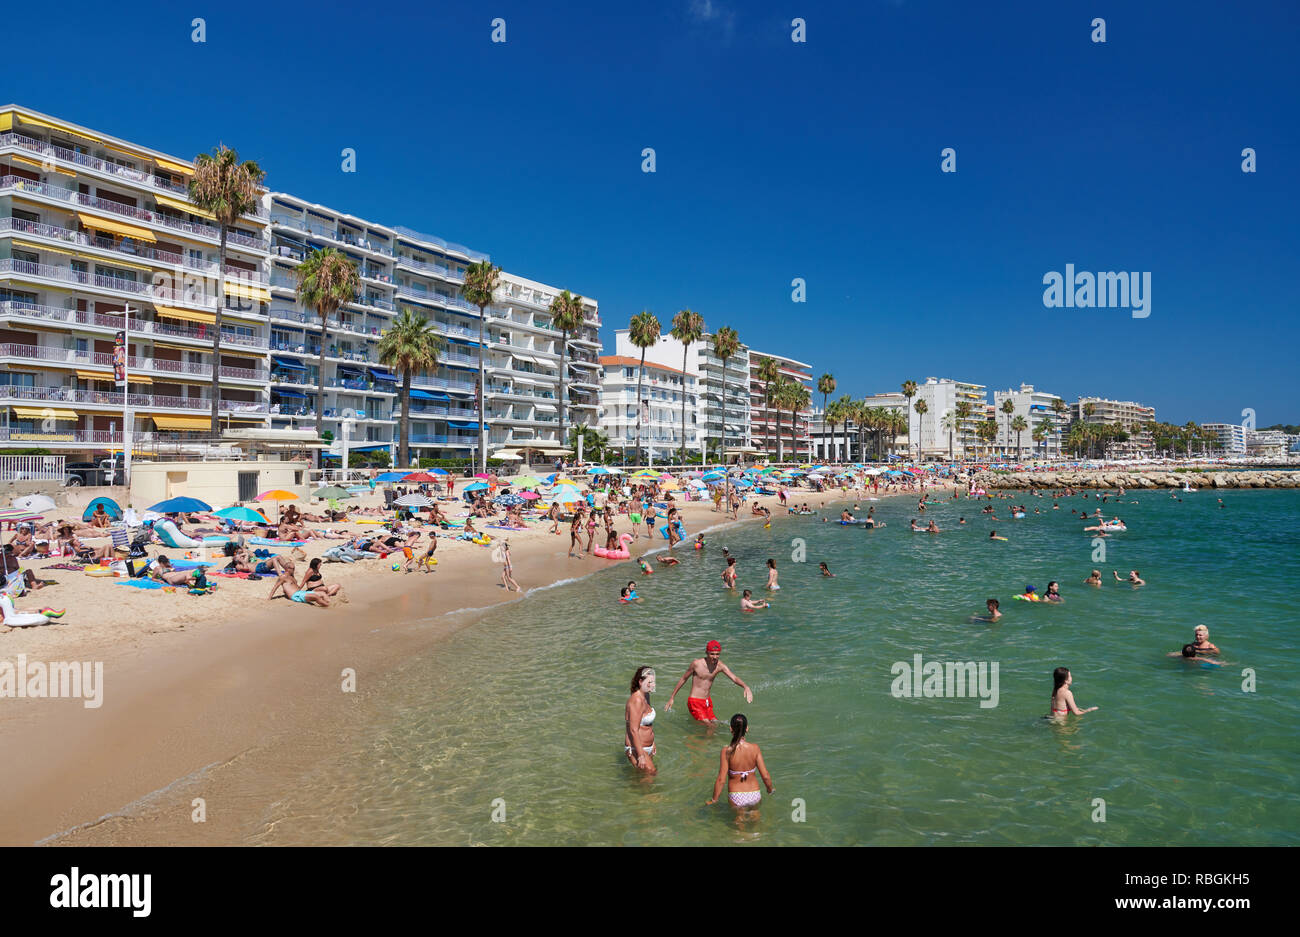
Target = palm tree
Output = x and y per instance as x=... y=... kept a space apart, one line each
x=950 y=422
x=834 y=413
x=566 y=316
x=688 y=328
x=846 y=414
x=726 y=342
x=224 y=188
x=482 y=280
x=826 y=387
x=1058 y=408
x=409 y=345
x=964 y=409
x=896 y=423
x=988 y=433
x=595 y=443
x=768 y=373
x=1018 y=425
x=1008 y=407
x=921 y=408
x=326 y=280
x=800 y=400
x=779 y=392
x=909 y=391
x=1039 y=435
x=644 y=334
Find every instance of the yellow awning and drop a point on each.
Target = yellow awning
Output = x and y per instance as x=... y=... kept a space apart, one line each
x=247 y=291
x=125 y=152
x=182 y=422
x=117 y=227
x=122 y=263
x=139 y=379
x=181 y=205
x=172 y=166
x=42 y=247
x=45 y=413
x=23 y=159
x=186 y=315
x=95 y=375
x=7 y=121
x=65 y=172
x=37 y=122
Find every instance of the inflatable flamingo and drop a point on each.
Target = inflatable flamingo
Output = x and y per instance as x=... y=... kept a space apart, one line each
x=622 y=553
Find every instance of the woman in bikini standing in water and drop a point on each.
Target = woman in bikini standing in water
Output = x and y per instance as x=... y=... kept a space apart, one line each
x=1062 y=699
x=639 y=737
x=741 y=766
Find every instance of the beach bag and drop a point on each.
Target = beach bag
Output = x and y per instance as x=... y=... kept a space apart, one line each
x=135 y=567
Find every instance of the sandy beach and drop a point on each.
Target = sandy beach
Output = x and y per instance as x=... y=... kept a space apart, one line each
x=191 y=684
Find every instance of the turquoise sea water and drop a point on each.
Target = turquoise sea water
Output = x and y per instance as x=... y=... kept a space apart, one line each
x=520 y=715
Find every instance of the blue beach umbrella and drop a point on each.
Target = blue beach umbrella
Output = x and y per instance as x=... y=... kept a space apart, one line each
x=241 y=513
x=438 y=471
x=475 y=486
x=180 y=505
x=390 y=476
x=111 y=508
x=509 y=499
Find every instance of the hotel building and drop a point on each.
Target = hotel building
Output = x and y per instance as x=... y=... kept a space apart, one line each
x=90 y=224
x=1132 y=416
x=941 y=396
x=776 y=434
x=1226 y=438
x=1037 y=408
x=663 y=391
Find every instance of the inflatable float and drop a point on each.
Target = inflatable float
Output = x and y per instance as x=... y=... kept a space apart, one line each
x=1112 y=528
x=622 y=553
x=681 y=532
x=16 y=619
x=172 y=537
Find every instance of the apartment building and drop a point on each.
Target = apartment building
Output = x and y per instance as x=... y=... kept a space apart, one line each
x=1226 y=438
x=1038 y=409
x=778 y=434
x=1134 y=417
x=722 y=391
x=658 y=410
x=91 y=224
x=941 y=396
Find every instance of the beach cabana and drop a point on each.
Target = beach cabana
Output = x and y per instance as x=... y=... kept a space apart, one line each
x=111 y=508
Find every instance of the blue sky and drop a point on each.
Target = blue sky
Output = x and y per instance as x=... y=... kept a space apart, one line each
x=778 y=160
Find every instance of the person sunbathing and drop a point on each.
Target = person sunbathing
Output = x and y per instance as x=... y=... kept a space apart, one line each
x=162 y=570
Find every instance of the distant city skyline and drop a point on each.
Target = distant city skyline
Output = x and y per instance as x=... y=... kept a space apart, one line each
x=777 y=160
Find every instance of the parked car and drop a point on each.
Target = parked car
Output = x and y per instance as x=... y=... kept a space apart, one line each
x=104 y=472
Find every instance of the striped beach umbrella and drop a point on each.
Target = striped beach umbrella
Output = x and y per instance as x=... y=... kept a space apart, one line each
x=413 y=501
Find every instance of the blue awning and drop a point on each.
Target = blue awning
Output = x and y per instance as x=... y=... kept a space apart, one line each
x=382 y=447
x=380 y=374
x=463 y=341
x=286 y=393
x=288 y=363
x=422 y=395
x=462 y=424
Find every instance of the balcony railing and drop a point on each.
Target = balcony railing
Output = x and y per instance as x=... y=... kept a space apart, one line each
x=134 y=364
x=139 y=327
x=114 y=399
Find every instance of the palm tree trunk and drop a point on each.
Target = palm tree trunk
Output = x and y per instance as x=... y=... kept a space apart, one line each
x=216 y=338
x=780 y=448
x=564 y=351
x=404 y=451
x=640 y=372
x=685 y=347
x=482 y=380
x=320 y=380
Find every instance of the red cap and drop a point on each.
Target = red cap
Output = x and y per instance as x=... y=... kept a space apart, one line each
x=713 y=646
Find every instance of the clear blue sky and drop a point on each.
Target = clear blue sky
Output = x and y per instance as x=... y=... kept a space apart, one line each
x=778 y=160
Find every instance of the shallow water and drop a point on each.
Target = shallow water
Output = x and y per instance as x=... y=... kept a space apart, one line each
x=520 y=715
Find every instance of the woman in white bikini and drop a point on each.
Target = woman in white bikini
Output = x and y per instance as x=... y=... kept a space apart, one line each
x=639 y=737
x=741 y=767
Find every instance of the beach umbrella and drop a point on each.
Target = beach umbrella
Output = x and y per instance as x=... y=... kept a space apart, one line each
x=331 y=492
x=439 y=471
x=420 y=478
x=742 y=483
x=696 y=483
x=525 y=481
x=13 y=514
x=37 y=503
x=390 y=477
x=529 y=495
x=645 y=473
x=111 y=508
x=564 y=494
x=22 y=517
x=475 y=486
x=508 y=500
x=275 y=494
x=671 y=486
x=240 y=513
x=180 y=505
x=564 y=481
x=413 y=501
x=481 y=475
x=711 y=476
x=598 y=470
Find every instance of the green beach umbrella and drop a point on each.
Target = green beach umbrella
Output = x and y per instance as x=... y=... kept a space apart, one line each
x=331 y=492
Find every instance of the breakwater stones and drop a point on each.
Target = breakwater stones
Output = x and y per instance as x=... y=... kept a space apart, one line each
x=1102 y=478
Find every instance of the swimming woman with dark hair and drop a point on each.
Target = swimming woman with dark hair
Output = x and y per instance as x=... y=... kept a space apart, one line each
x=741 y=766
x=1062 y=699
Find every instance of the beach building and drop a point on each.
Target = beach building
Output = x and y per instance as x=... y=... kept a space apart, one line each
x=90 y=224
x=779 y=434
x=1134 y=417
x=941 y=396
x=1038 y=409
x=1226 y=438
x=663 y=391
x=841 y=442
x=1267 y=443
x=722 y=393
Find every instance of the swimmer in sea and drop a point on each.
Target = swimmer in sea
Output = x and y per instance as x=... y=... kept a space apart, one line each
x=740 y=768
x=729 y=574
x=1062 y=699
x=748 y=604
x=771 y=575
x=701 y=673
x=845 y=515
x=669 y=560
x=699 y=541
x=961 y=521
x=1133 y=578
x=933 y=528
x=1202 y=642
x=914 y=527
x=628 y=594
x=639 y=715
x=992 y=605
x=1053 y=592
x=1094 y=579
x=645 y=567
x=826 y=571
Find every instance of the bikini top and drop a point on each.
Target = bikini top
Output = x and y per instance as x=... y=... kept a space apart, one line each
x=649 y=718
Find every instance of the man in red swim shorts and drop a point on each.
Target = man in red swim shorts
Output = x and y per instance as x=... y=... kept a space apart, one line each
x=702 y=672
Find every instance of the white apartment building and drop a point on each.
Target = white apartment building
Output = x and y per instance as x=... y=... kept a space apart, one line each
x=1268 y=443
x=722 y=393
x=91 y=224
x=1228 y=438
x=778 y=434
x=663 y=391
x=1037 y=408
x=1132 y=416
x=941 y=396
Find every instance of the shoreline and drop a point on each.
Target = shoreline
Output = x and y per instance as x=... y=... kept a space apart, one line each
x=183 y=704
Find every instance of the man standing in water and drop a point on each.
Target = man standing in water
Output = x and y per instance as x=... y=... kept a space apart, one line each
x=702 y=672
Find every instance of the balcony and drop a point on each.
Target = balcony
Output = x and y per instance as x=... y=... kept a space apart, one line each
x=64 y=395
x=330 y=232
x=135 y=364
x=139 y=327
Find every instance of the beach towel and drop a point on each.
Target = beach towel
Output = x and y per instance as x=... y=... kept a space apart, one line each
x=71 y=566
x=262 y=541
x=232 y=575
x=191 y=564
x=141 y=584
